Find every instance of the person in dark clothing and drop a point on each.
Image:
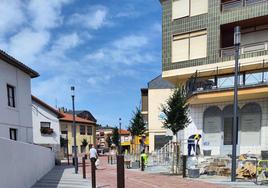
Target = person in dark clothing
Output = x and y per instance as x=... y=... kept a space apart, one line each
x=192 y=144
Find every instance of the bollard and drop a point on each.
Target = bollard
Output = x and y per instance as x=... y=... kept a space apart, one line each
x=73 y=162
x=93 y=173
x=108 y=159
x=68 y=160
x=85 y=156
x=120 y=171
x=111 y=159
x=84 y=167
x=184 y=163
x=142 y=164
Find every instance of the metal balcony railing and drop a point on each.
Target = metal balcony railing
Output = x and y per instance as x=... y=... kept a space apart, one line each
x=247 y=48
x=230 y=5
x=215 y=81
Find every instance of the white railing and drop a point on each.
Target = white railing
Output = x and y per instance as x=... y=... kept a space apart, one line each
x=230 y=5
x=247 y=48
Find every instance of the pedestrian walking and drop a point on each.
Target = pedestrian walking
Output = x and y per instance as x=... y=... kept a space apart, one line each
x=193 y=143
x=93 y=154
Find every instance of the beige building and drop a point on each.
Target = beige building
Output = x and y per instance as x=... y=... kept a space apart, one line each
x=198 y=52
x=153 y=98
x=85 y=129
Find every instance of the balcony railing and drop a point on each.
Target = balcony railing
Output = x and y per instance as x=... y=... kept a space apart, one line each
x=230 y=5
x=215 y=81
x=247 y=48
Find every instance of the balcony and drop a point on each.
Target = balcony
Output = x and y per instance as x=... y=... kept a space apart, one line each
x=222 y=83
x=247 y=48
x=228 y=5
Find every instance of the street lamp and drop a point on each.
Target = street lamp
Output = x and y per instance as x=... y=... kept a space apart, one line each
x=74 y=131
x=120 y=136
x=237 y=40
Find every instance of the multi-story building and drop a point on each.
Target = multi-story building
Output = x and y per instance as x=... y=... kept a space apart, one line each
x=102 y=135
x=198 y=52
x=15 y=99
x=46 y=126
x=85 y=131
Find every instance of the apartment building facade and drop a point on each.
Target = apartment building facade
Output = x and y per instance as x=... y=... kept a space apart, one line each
x=46 y=125
x=85 y=130
x=198 y=52
x=15 y=103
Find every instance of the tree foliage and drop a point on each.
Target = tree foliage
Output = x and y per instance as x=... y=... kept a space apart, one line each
x=176 y=111
x=137 y=125
x=115 y=136
x=84 y=142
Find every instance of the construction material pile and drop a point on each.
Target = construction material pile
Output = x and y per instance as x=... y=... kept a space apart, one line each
x=246 y=168
x=219 y=167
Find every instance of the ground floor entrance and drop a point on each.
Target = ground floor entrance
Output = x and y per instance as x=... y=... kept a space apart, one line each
x=215 y=123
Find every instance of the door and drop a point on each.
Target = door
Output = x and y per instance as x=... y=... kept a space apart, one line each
x=227 y=137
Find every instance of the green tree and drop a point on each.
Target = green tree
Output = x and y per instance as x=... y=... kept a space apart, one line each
x=84 y=142
x=176 y=111
x=115 y=136
x=137 y=125
x=176 y=118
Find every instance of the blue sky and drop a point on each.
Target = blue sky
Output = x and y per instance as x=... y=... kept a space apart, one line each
x=107 y=49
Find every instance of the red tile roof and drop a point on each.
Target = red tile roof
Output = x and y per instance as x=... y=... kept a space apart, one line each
x=69 y=118
x=124 y=131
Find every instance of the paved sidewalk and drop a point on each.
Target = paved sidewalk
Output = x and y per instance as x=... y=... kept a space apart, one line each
x=107 y=177
x=62 y=177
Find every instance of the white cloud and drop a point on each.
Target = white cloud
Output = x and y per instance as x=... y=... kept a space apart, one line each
x=95 y=18
x=11 y=16
x=46 y=14
x=27 y=44
x=128 y=50
x=132 y=41
x=66 y=42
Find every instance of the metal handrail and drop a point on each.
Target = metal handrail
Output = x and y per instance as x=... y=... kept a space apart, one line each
x=243 y=47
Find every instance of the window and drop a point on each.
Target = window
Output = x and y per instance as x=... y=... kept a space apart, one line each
x=180 y=9
x=89 y=130
x=45 y=124
x=189 y=46
x=184 y=8
x=13 y=134
x=11 y=96
x=82 y=130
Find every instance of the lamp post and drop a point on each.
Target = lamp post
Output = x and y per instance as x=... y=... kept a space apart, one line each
x=237 y=40
x=120 y=147
x=74 y=131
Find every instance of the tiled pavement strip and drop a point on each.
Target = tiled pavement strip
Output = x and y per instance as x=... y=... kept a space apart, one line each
x=62 y=177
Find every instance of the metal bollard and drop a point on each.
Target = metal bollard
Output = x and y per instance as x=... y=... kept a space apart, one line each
x=85 y=156
x=142 y=164
x=84 y=167
x=120 y=171
x=184 y=163
x=108 y=159
x=93 y=174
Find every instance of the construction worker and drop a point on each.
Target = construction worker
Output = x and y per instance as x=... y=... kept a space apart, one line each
x=193 y=142
x=144 y=158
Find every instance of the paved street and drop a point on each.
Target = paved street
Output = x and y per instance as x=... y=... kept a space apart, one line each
x=106 y=177
x=62 y=177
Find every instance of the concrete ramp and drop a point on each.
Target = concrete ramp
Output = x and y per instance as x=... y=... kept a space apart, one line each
x=62 y=177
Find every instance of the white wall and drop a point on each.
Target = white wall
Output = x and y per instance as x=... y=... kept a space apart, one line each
x=196 y=126
x=20 y=117
x=41 y=114
x=23 y=164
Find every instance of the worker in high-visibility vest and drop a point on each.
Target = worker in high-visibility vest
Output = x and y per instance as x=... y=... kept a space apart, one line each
x=193 y=142
x=144 y=157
